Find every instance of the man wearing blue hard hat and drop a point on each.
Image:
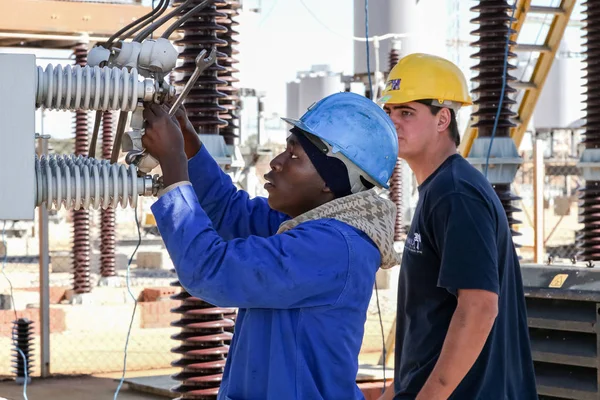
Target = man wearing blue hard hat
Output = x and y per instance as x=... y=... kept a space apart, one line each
x=301 y=264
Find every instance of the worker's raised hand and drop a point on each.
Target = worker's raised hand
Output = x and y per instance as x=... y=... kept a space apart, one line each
x=164 y=141
x=191 y=139
x=163 y=138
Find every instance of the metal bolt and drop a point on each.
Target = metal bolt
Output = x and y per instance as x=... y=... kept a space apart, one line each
x=149 y=90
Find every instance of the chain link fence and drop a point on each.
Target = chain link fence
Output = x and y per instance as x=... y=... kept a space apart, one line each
x=562 y=179
x=88 y=331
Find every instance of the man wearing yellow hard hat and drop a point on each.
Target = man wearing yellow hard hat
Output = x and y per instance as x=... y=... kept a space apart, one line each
x=461 y=317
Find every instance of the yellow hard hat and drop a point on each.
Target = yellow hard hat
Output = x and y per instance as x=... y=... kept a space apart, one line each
x=424 y=76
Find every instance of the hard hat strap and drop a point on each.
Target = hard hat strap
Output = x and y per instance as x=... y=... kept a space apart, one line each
x=453 y=105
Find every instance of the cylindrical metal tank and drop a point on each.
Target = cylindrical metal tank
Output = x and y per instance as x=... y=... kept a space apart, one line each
x=313 y=87
x=561 y=101
x=385 y=16
x=293 y=99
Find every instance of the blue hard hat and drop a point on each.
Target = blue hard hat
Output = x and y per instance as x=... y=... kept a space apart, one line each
x=356 y=127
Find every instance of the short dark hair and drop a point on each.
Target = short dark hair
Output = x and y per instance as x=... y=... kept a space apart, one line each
x=454 y=134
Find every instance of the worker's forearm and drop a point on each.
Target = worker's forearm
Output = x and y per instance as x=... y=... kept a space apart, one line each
x=192 y=143
x=467 y=334
x=174 y=169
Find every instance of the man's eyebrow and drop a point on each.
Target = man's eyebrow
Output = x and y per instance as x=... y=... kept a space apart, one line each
x=401 y=107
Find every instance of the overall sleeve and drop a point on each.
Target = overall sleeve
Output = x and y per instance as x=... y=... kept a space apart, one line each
x=303 y=267
x=464 y=232
x=232 y=212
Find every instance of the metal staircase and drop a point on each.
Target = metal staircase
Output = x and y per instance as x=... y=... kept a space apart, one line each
x=547 y=51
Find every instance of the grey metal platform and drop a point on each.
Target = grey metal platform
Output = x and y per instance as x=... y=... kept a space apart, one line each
x=161 y=385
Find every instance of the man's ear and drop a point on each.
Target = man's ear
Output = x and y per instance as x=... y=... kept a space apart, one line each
x=444 y=119
x=327 y=192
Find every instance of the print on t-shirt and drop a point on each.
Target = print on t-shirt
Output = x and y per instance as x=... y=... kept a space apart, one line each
x=413 y=243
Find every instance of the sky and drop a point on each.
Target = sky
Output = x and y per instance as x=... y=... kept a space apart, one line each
x=285 y=39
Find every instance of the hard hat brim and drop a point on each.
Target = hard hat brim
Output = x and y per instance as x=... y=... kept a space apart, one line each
x=298 y=124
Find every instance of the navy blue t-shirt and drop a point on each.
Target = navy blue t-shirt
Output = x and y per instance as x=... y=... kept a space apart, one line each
x=460 y=239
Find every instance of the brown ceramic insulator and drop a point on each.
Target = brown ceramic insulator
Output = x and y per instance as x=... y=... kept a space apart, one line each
x=396 y=193
x=108 y=240
x=231 y=100
x=588 y=239
x=494 y=22
x=81 y=117
x=202 y=103
x=230 y=328
x=394 y=57
x=22 y=338
x=204 y=337
x=396 y=190
x=508 y=199
x=205 y=332
x=591 y=138
x=81 y=251
x=107 y=134
x=108 y=243
x=81 y=218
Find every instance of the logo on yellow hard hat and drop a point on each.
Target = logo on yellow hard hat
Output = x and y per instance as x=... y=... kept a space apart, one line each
x=392 y=84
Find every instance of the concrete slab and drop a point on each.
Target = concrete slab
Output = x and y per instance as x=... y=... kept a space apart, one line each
x=6 y=302
x=157 y=385
x=105 y=295
x=110 y=281
x=72 y=388
x=61 y=263
x=370 y=372
x=23 y=299
x=150 y=259
x=161 y=385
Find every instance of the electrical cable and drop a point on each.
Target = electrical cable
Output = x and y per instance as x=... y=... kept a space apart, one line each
x=382 y=335
x=355 y=38
x=176 y=25
x=367 y=45
x=267 y=14
x=487 y=159
x=139 y=23
x=152 y=20
x=127 y=278
x=12 y=300
x=156 y=24
x=371 y=90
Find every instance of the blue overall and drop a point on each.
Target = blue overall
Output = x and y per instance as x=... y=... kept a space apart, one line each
x=302 y=294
